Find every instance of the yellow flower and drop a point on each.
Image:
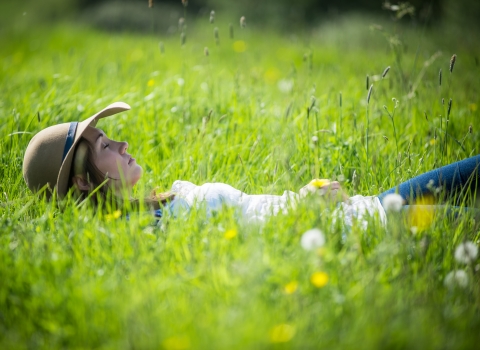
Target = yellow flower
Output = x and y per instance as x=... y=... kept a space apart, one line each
x=291 y=287
x=151 y=82
x=239 y=46
x=229 y=234
x=282 y=333
x=433 y=141
x=321 y=251
x=319 y=182
x=176 y=343
x=115 y=215
x=473 y=107
x=319 y=279
x=421 y=214
x=272 y=75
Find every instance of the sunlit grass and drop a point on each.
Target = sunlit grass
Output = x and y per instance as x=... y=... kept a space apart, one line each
x=261 y=112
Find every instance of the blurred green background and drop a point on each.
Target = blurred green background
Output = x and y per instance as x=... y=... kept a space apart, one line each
x=283 y=14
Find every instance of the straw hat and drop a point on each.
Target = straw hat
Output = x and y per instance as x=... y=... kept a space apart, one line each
x=49 y=155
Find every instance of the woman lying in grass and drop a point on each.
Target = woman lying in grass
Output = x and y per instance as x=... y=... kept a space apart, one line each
x=81 y=157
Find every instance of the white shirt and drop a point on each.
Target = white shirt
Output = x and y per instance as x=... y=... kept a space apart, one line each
x=257 y=208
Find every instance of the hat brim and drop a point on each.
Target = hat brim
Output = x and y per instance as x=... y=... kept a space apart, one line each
x=64 y=173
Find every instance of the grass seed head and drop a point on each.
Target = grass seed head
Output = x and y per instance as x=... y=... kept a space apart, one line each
x=369 y=94
x=150 y=3
x=385 y=72
x=243 y=22
x=212 y=16
x=440 y=77
x=215 y=34
x=470 y=129
x=452 y=62
x=367 y=82
x=449 y=107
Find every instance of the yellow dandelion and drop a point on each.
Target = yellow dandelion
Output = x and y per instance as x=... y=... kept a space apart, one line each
x=282 y=333
x=319 y=279
x=272 y=75
x=421 y=214
x=230 y=234
x=319 y=182
x=115 y=215
x=433 y=141
x=151 y=82
x=239 y=46
x=322 y=251
x=291 y=287
x=176 y=343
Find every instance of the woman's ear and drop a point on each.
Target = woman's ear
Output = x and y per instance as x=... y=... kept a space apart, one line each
x=80 y=183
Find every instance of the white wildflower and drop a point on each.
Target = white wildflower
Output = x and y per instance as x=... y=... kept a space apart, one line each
x=466 y=252
x=414 y=230
x=456 y=278
x=393 y=202
x=285 y=85
x=312 y=239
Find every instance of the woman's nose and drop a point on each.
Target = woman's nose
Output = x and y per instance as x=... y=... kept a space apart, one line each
x=123 y=147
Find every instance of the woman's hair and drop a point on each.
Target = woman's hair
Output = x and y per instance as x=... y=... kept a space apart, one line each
x=84 y=165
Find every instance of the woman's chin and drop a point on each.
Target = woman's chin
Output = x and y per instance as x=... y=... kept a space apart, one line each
x=135 y=174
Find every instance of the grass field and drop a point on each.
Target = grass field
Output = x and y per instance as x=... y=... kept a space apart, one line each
x=265 y=113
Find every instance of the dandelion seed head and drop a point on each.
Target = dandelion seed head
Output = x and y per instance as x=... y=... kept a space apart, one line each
x=466 y=252
x=393 y=202
x=456 y=278
x=243 y=22
x=312 y=239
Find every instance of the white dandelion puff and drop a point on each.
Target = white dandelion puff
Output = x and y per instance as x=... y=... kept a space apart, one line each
x=456 y=278
x=312 y=239
x=466 y=252
x=393 y=202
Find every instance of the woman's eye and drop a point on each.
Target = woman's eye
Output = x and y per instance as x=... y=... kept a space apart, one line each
x=106 y=145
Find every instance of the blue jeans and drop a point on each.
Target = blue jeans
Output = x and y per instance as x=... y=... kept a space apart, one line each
x=455 y=178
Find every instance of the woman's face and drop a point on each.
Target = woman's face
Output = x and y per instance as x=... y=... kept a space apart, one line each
x=112 y=159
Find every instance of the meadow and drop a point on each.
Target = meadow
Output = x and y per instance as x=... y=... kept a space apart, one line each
x=265 y=112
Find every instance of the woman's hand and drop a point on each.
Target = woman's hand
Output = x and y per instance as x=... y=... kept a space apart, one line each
x=332 y=190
